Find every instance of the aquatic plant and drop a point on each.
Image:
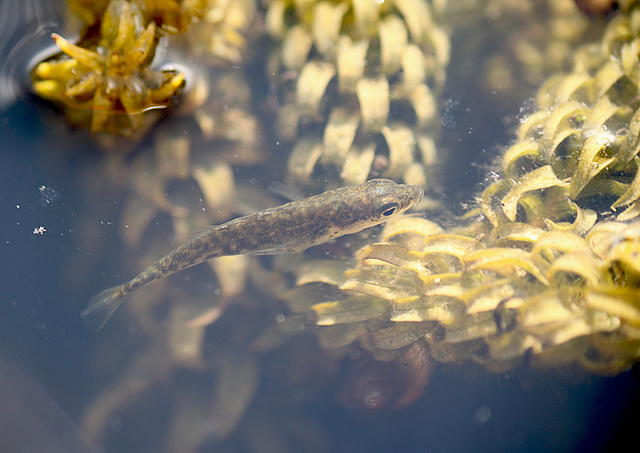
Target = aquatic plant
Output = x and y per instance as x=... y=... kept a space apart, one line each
x=357 y=84
x=172 y=16
x=109 y=81
x=108 y=87
x=222 y=32
x=522 y=44
x=547 y=273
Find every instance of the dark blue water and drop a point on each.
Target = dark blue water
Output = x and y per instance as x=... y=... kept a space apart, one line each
x=39 y=327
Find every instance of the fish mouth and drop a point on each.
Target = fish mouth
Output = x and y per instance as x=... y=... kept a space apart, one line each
x=413 y=196
x=419 y=194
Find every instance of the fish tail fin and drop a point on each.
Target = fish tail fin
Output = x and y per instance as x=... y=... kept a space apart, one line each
x=102 y=306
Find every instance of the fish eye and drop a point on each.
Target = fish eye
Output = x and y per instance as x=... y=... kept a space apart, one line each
x=386 y=210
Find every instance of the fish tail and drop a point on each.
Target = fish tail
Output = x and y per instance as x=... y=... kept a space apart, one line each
x=102 y=306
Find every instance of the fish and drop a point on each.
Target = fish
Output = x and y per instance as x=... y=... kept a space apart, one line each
x=289 y=228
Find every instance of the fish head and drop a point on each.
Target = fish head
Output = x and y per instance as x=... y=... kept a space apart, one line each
x=386 y=198
x=370 y=204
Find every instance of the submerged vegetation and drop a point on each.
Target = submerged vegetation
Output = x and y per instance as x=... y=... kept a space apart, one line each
x=367 y=77
x=545 y=269
x=542 y=272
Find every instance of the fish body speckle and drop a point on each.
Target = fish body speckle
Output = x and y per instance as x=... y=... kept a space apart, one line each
x=292 y=227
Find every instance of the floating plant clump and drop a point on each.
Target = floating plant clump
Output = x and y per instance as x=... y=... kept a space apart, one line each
x=108 y=86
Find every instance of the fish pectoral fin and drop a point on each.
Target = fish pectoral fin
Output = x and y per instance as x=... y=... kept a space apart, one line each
x=276 y=251
x=285 y=191
x=287 y=247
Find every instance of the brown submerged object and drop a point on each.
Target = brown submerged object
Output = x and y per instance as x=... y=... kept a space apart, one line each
x=372 y=385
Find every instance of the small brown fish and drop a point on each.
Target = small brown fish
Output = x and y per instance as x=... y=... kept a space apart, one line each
x=290 y=228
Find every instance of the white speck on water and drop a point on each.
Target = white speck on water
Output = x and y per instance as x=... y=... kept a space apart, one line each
x=48 y=196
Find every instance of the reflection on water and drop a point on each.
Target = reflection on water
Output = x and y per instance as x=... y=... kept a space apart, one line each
x=147 y=383
x=26 y=31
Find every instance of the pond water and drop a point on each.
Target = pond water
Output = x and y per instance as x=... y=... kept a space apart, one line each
x=55 y=367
